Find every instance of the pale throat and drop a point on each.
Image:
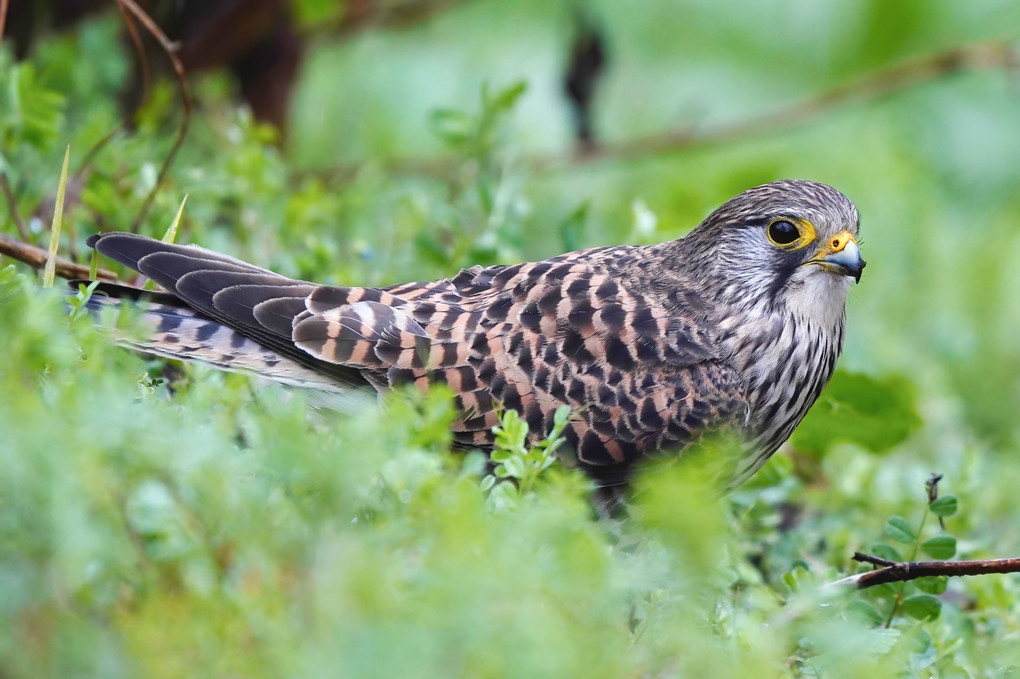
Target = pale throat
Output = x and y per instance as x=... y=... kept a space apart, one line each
x=763 y=341
x=818 y=297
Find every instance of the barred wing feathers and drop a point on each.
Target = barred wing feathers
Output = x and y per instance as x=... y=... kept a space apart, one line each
x=571 y=330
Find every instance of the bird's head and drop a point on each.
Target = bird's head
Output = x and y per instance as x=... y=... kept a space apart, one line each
x=789 y=243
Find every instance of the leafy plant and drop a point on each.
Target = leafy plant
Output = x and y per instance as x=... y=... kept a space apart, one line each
x=917 y=599
x=518 y=466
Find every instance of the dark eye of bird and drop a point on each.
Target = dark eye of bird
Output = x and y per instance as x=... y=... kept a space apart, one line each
x=783 y=232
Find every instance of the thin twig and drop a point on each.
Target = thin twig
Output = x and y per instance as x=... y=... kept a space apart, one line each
x=182 y=80
x=143 y=59
x=90 y=156
x=35 y=257
x=12 y=202
x=994 y=54
x=872 y=559
x=989 y=55
x=902 y=571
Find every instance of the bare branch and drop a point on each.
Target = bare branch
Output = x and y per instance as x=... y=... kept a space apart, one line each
x=989 y=55
x=182 y=80
x=136 y=43
x=36 y=258
x=902 y=571
x=979 y=56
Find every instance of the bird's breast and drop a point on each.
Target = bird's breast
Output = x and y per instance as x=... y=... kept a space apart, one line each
x=785 y=362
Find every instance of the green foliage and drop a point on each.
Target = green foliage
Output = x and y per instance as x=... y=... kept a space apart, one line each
x=874 y=413
x=164 y=521
x=917 y=599
x=30 y=113
x=518 y=465
x=476 y=136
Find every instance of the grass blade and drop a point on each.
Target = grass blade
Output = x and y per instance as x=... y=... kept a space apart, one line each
x=50 y=271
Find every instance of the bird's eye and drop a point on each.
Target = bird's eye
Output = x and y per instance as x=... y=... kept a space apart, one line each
x=782 y=232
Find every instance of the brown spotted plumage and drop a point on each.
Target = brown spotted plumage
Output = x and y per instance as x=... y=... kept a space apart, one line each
x=650 y=346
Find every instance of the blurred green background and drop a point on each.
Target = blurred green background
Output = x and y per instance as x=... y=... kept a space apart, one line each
x=149 y=532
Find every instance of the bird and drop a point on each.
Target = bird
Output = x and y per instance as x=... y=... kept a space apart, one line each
x=736 y=326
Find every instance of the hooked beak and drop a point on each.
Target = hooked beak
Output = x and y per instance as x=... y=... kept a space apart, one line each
x=841 y=255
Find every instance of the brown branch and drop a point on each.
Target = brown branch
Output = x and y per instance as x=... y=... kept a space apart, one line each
x=182 y=80
x=36 y=258
x=902 y=571
x=136 y=44
x=12 y=204
x=989 y=55
x=3 y=20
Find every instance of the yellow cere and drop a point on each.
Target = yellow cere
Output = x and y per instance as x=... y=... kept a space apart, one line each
x=839 y=241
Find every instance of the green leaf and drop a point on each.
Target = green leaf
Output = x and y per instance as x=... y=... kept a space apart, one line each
x=500 y=455
x=940 y=547
x=886 y=551
x=865 y=612
x=874 y=413
x=455 y=128
x=922 y=607
x=944 y=506
x=505 y=99
x=504 y=495
x=514 y=466
x=30 y=109
x=897 y=528
x=572 y=227
x=933 y=585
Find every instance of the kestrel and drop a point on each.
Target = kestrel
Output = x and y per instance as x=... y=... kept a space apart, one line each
x=737 y=325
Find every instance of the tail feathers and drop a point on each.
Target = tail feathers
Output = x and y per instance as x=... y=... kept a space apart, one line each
x=173 y=331
x=130 y=249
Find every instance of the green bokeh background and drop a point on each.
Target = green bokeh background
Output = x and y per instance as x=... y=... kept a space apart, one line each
x=223 y=529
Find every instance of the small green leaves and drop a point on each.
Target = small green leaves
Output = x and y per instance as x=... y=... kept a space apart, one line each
x=940 y=547
x=887 y=552
x=29 y=110
x=80 y=300
x=943 y=506
x=865 y=612
x=922 y=606
x=451 y=126
x=476 y=135
x=917 y=598
x=503 y=100
x=897 y=528
x=519 y=466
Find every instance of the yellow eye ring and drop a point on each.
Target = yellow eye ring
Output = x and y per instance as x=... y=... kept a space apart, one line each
x=790 y=233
